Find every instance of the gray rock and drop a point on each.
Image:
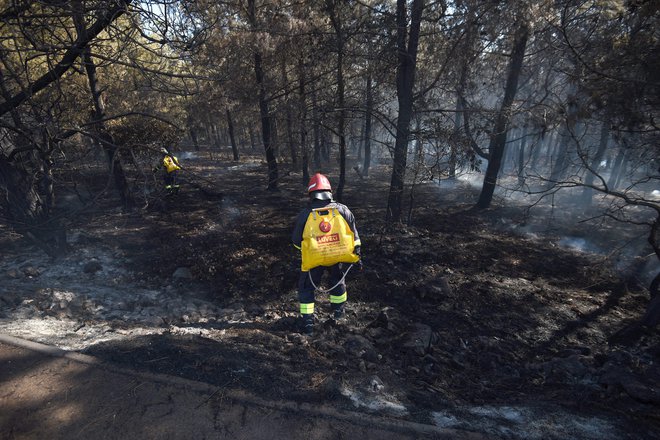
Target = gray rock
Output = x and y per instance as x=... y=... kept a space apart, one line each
x=31 y=271
x=375 y=384
x=419 y=339
x=640 y=392
x=357 y=345
x=92 y=267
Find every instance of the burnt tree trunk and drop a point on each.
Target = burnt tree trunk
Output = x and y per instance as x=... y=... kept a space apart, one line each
x=264 y=110
x=521 y=155
x=232 y=138
x=341 y=120
x=592 y=172
x=407 y=44
x=367 y=127
x=25 y=209
x=193 y=136
x=303 y=121
x=289 y=115
x=316 y=157
x=103 y=137
x=498 y=141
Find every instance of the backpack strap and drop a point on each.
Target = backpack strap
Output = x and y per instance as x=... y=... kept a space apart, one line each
x=325 y=208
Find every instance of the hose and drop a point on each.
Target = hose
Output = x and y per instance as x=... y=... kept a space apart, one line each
x=341 y=280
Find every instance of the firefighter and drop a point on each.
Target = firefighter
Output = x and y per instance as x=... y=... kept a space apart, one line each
x=171 y=166
x=320 y=196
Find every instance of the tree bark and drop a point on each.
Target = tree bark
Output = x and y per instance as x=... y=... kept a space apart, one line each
x=103 y=137
x=27 y=211
x=289 y=115
x=232 y=138
x=316 y=156
x=303 y=121
x=341 y=120
x=264 y=111
x=587 y=193
x=193 y=136
x=407 y=44
x=521 y=156
x=367 y=127
x=498 y=141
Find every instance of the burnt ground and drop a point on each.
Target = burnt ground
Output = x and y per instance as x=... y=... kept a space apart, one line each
x=456 y=320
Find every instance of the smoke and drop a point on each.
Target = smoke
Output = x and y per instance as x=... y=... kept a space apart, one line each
x=579 y=244
x=562 y=218
x=188 y=155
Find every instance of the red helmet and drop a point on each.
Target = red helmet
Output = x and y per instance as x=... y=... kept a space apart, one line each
x=318 y=182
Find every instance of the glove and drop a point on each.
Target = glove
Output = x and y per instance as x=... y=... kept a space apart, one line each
x=357 y=251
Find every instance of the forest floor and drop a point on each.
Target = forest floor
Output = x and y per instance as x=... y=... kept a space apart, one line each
x=482 y=322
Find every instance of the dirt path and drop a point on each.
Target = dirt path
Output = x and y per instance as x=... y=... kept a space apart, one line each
x=48 y=393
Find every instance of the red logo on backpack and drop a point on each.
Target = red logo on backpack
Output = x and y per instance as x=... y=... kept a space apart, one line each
x=325 y=226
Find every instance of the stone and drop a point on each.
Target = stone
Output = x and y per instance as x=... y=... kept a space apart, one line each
x=13 y=273
x=376 y=385
x=31 y=271
x=640 y=392
x=419 y=339
x=92 y=267
x=358 y=345
x=381 y=320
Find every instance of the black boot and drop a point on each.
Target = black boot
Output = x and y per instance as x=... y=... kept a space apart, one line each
x=338 y=311
x=307 y=324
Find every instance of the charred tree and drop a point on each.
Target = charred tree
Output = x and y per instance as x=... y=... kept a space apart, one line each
x=407 y=44
x=592 y=167
x=264 y=110
x=498 y=141
x=102 y=137
x=232 y=138
x=316 y=158
x=288 y=115
x=27 y=197
x=25 y=168
x=520 y=161
x=335 y=19
x=302 y=117
x=367 y=127
x=105 y=18
x=193 y=136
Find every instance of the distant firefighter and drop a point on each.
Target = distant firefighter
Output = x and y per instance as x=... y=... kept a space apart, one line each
x=171 y=167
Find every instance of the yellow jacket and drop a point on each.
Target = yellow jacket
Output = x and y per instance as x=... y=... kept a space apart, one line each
x=171 y=163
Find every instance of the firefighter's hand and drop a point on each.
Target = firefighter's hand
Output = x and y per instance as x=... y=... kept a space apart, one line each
x=357 y=251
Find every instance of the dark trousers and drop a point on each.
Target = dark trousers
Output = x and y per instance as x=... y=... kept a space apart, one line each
x=171 y=179
x=306 y=289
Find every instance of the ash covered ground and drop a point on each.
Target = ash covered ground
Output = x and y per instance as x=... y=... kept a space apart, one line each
x=495 y=322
